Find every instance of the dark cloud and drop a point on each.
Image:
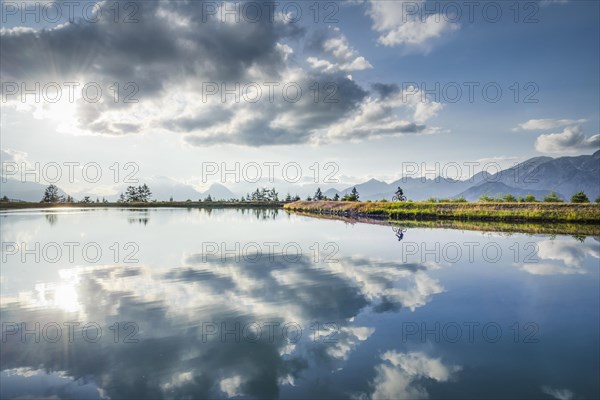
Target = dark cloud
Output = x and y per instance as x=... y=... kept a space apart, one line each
x=172 y=49
x=385 y=90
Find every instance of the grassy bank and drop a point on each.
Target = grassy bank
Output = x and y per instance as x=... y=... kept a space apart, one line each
x=163 y=204
x=503 y=212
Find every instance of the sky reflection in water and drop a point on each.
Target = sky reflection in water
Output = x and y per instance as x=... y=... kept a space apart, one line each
x=217 y=309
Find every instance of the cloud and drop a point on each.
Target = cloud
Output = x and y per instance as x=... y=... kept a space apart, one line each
x=545 y=124
x=570 y=140
x=397 y=377
x=175 y=56
x=170 y=304
x=570 y=255
x=399 y=24
x=12 y=161
x=393 y=113
x=545 y=3
x=331 y=43
x=560 y=394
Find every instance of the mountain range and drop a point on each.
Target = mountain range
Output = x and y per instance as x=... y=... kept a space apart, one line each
x=537 y=176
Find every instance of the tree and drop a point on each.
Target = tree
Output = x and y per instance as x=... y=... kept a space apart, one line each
x=597 y=199
x=144 y=193
x=580 y=197
x=171 y=199
x=131 y=194
x=208 y=199
x=485 y=198
x=86 y=200
x=530 y=198
x=4 y=199
x=51 y=195
x=552 y=198
x=352 y=196
x=509 y=198
x=318 y=195
x=288 y=197
x=336 y=197
x=273 y=195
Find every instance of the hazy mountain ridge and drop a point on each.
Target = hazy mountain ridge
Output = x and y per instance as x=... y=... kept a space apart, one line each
x=499 y=189
x=537 y=176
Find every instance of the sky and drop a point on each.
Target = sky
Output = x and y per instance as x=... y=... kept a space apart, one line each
x=331 y=92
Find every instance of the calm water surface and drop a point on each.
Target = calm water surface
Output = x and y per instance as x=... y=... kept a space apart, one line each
x=176 y=303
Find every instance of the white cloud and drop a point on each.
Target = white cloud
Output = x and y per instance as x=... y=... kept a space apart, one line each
x=398 y=25
x=12 y=160
x=231 y=386
x=545 y=3
x=548 y=123
x=570 y=140
x=569 y=254
x=397 y=114
x=397 y=376
x=346 y=58
x=560 y=394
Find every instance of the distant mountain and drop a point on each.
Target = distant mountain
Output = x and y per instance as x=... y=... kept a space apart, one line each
x=538 y=176
x=369 y=188
x=25 y=191
x=499 y=189
x=164 y=188
x=219 y=192
x=416 y=188
x=564 y=175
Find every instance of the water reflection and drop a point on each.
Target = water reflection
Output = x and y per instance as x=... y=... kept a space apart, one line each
x=51 y=218
x=399 y=232
x=205 y=325
x=177 y=354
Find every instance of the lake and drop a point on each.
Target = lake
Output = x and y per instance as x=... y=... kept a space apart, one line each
x=196 y=303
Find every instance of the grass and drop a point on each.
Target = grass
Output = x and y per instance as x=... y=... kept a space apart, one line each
x=485 y=211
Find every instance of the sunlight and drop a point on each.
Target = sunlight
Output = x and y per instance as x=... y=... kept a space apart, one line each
x=66 y=298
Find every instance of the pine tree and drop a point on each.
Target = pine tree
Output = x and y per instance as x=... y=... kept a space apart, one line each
x=318 y=195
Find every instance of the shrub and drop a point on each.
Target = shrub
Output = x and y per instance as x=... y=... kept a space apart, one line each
x=580 y=197
x=509 y=198
x=552 y=198
x=530 y=198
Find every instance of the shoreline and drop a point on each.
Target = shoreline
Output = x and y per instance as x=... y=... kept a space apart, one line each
x=162 y=204
x=506 y=228
x=587 y=213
